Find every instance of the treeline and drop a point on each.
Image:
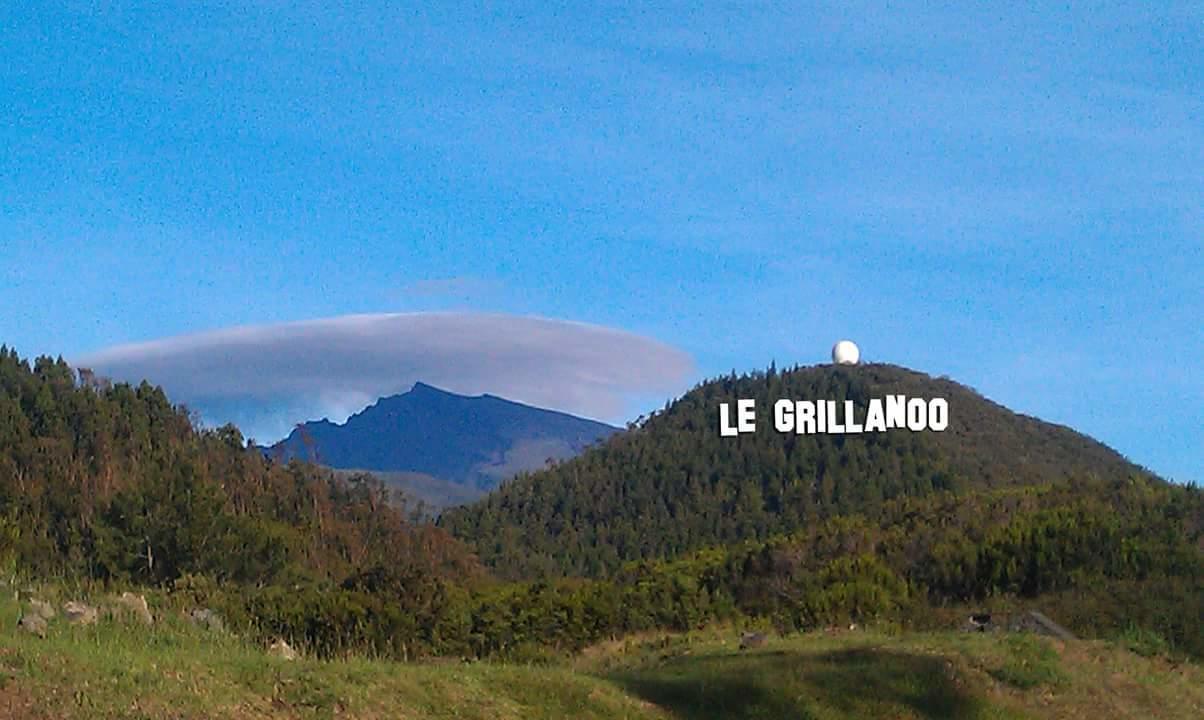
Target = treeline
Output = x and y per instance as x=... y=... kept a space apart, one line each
x=676 y=485
x=1103 y=557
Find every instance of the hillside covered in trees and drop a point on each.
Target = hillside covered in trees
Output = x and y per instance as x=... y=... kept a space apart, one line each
x=113 y=482
x=1106 y=557
x=111 y=486
x=674 y=485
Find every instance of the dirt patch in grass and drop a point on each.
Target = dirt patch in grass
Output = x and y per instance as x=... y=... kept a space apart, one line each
x=18 y=703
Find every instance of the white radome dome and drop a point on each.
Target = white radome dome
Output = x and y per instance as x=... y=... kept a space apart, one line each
x=845 y=352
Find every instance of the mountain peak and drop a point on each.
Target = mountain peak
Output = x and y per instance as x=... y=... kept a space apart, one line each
x=421 y=388
x=473 y=441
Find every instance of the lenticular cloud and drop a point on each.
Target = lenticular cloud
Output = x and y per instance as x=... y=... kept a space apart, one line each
x=265 y=378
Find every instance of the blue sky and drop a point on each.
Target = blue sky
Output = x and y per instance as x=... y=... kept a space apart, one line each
x=1012 y=197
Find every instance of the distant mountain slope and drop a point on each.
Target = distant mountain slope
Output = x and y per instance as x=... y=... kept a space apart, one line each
x=675 y=485
x=434 y=493
x=474 y=441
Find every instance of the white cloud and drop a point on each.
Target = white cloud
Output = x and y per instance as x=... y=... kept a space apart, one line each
x=266 y=378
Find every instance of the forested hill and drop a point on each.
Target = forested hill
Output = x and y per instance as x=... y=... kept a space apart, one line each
x=674 y=485
x=113 y=482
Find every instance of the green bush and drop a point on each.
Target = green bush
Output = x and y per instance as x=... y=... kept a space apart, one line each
x=1144 y=642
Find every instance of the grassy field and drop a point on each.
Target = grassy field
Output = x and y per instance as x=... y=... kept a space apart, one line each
x=173 y=670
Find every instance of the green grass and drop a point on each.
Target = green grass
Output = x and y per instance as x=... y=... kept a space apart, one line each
x=858 y=682
x=1031 y=662
x=173 y=670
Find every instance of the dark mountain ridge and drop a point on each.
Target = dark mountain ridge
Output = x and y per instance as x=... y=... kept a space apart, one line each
x=474 y=441
x=674 y=485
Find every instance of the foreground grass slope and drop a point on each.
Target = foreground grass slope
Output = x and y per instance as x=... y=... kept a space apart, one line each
x=174 y=671
x=913 y=675
x=114 y=670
